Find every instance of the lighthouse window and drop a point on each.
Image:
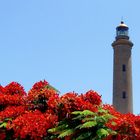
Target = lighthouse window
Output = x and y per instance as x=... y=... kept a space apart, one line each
x=123 y=68
x=124 y=95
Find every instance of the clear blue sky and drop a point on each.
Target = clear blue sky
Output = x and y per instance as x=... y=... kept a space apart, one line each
x=66 y=42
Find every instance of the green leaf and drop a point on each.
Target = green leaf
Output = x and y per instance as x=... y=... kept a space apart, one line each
x=79 y=117
x=84 y=113
x=102 y=133
x=76 y=112
x=102 y=111
x=3 y=125
x=88 y=119
x=112 y=132
x=51 y=87
x=113 y=123
x=66 y=133
x=58 y=128
x=88 y=113
x=8 y=119
x=88 y=124
x=84 y=136
x=101 y=119
x=108 y=116
x=52 y=130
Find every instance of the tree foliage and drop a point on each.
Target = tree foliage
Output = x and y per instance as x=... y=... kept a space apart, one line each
x=84 y=125
x=42 y=114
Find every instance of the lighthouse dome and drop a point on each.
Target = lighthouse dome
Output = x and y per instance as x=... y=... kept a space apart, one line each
x=122 y=30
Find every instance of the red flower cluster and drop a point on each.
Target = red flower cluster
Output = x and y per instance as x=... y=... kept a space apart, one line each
x=93 y=97
x=12 y=94
x=71 y=102
x=11 y=112
x=33 y=125
x=14 y=88
x=2 y=135
x=12 y=105
x=2 y=89
x=127 y=125
x=7 y=100
x=39 y=86
x=42 y=97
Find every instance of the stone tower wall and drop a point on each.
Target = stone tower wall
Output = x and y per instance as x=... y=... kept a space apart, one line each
x=122 y=76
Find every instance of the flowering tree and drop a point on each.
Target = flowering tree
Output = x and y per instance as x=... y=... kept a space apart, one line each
x=42 y=114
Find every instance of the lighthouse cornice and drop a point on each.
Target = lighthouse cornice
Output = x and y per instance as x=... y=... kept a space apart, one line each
x=121 y=42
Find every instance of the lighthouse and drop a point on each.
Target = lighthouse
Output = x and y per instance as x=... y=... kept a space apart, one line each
x=122 y=70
